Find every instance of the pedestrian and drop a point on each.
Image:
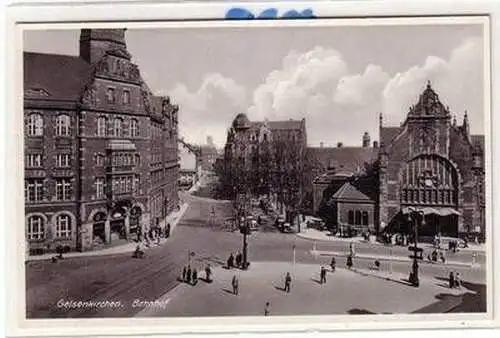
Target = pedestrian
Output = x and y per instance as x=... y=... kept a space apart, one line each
x=323 y=275
x=441 y=257
x=184 y=272
x=230 y=261
x=349 y=262
x=188 y=275
x=208 y=273
x=458 y=282
x=235 y=285
x=333 y=264
x=238 y=260
x=451 y=280
x=266 y=309
x=288 y=282
x=195 y=276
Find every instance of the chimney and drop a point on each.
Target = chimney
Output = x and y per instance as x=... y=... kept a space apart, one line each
x=321 y=144
x=375 y=144
x=366 y=140
x=339 y=145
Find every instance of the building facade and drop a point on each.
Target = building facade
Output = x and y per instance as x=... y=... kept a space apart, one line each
x=428 y=163
x=101 y=160
x=266 y=158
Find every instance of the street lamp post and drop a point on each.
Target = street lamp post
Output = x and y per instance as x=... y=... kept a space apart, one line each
x=413 y=217
x=245 y=230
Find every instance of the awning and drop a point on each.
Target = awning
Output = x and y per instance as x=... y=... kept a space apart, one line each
x=431 y=211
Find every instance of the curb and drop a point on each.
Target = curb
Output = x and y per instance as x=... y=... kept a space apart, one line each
x=385 y=258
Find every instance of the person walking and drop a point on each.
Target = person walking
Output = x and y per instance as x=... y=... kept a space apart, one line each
x=188 y=275
x=235 y=285
x=288 y=282
x=195 y=276
x=184 y=273
x=208 y=274
x=349 y=262
x=266 y=309
x=323 y=275
x=230 y=261
x=458 y=282
x=333 y=263
x=451 y=280
x=239 y=258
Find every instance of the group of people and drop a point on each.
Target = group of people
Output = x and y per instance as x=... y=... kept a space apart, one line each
x=434 y=256
x=233 y=261
x=153 y=235
x=190 y=275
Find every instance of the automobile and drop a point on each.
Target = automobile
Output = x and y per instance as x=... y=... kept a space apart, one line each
x=316 y=223
x=287 y=228
x=253 y=225
x=444 y=242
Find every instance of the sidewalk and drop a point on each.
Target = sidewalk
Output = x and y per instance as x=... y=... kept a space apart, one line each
x=345 y=292
x=316 y=235
x=173 y=219
x=388 y=258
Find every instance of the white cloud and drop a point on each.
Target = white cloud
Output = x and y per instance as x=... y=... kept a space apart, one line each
x=207 y=110
x=338 y=105
x=458 y=82
x=317 y=85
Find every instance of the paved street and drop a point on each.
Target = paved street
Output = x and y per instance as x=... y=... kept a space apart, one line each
x=123 y=279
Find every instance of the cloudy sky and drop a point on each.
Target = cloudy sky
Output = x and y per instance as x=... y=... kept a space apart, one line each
x=338 y=78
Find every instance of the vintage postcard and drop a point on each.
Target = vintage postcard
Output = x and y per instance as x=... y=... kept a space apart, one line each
x=265 y=170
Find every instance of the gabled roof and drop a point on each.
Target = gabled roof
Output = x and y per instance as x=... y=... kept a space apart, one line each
x=57 y=77
x=350 y=193
x=343 y=159
x=387 y=134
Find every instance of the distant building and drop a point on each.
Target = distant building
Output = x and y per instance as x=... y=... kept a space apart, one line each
x=266 y=158
x=208 y=155
x=100 y=150
x=428 y=162
x=190 y=169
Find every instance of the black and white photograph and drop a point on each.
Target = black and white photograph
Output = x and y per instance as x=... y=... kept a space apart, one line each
x=333 y=168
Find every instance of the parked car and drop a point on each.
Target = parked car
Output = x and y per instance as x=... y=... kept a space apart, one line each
x=287 y=228
x=444 y=242
x=316 y=223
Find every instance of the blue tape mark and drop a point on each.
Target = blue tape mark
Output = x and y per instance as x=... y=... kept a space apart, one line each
x=237 y=13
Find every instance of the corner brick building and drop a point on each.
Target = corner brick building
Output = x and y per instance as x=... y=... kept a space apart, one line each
x=428 y=162
x=101 y=162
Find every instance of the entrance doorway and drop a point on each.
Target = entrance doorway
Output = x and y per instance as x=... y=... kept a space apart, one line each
x=117 y=224
x=99 y=228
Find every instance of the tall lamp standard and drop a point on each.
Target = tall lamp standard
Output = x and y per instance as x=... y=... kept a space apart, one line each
x=245 y=230
x=414 y=216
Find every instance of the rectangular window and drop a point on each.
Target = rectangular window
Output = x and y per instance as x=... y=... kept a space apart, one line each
x=33 y=190
x=63 y=189
x=101 y=126
x=126 y=97
x=63 y=160
x=99 y=187
x=36 y=228
x=63 y=226
x=110 y=95
x=33 y=161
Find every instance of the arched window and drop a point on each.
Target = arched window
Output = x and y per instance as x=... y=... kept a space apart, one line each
x=101 y=126
x=34 y=125
x=63 y=123
x=134 y=128
x=63 y=226
x=365 y=218
x=118 y=127
x=36 y=227
x=358 y=217
x=350 y=217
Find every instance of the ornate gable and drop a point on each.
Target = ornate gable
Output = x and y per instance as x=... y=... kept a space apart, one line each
x=429 y=105
x=117 y=68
